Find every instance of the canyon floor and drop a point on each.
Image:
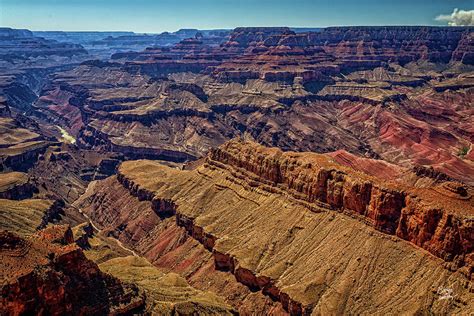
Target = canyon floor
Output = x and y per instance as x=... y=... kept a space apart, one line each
x=254 y=171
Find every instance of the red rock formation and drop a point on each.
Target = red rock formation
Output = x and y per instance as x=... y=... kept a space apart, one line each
x=439 y=224
x=426 y=130
x=464 y=51
x=349 y=48
x=278 y=54
x=389 y=207
x=172 y=243
x=49 y=274
x=376 y=168
x=58 y=102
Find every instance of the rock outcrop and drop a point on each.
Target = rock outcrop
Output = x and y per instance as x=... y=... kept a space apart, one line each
x=374 y=118
x=363 y=206
x=279 y=54
x=20 y=147
x=440 y=225
x=48 y=273
x=151 y=231
x=16 y=186
x=269 y=218
x=341 y=48
x=297 y=91
x=26 y=216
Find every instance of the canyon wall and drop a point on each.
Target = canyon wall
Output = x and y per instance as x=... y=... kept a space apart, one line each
x=441 y=226
x=151 y=230
x=269 y=218
x=48 y=273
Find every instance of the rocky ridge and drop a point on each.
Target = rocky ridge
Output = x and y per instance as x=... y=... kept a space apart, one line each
x=48 y=273
x=440 y=225
x=279 y=54
x=254 y=178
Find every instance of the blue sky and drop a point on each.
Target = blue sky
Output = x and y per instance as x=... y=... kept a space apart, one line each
x=170 y=15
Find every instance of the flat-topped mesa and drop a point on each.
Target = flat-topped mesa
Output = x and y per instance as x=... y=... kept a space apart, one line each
x=245 y=36
x=402 y=44
x=436 y=219
x=15 y=43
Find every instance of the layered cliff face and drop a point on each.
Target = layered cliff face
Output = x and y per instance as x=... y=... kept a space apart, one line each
x=16 y=186
x=464 y=50
x=157 y=237
x=25 y=62
x=166 y=293
x=38 y=159
x=296 y=91
x=445 y=228
x=34 y=163
x=17 y=44
x=401 y=44
x=427 y=129
x=48 y=273
x=298 y=228
x=20 y=146
x=279 y=54
x=393 y=113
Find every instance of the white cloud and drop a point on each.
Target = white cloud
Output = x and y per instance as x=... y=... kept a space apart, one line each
x=458 y=18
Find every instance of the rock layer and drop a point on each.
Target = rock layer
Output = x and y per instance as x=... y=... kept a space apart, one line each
x=267 y=219
x=439 y=225
x=47 y=273
x=156 y=236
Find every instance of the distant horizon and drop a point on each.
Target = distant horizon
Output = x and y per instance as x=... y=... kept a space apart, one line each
x=157 y=16
x=229 y=29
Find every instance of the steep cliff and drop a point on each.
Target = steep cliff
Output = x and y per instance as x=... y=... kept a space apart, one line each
x=439 y=225
x=48 y=273
x=151 y=231
x=298 y=228
x=16 y=186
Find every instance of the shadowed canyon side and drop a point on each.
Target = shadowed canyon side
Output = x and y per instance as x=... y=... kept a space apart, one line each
x=250 y=171
x=311 y=234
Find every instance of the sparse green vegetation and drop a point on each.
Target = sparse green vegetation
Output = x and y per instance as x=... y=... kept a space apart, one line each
x=463 y=151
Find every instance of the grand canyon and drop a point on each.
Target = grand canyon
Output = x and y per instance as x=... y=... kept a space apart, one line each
x=245 y=171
